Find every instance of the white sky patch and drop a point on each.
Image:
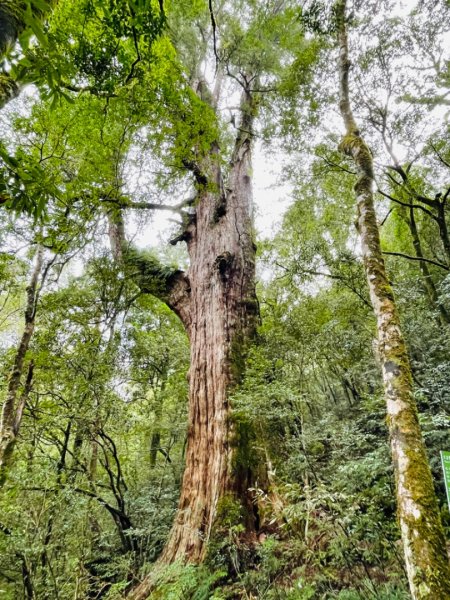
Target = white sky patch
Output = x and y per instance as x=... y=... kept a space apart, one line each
x=271 y=197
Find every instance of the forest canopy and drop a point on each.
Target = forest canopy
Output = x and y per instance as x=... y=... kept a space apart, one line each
x=224 y=299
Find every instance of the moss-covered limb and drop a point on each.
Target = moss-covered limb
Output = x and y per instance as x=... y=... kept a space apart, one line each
x=166 y=283
x=9 y=89
x=422 y=535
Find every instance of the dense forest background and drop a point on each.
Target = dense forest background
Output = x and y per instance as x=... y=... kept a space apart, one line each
x=111 y=114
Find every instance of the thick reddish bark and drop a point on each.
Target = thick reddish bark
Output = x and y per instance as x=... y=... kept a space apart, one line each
x=223 y=315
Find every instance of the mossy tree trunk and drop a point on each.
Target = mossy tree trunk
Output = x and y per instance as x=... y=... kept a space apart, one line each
x=15 y=402
x=422 y=535
x=216 y=301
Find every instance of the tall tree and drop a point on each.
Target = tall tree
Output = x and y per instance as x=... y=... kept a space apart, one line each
x=423 y=539
x=216 y=298
x=216 y=301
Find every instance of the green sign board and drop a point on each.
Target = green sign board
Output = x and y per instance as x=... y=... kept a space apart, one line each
x=445 y=458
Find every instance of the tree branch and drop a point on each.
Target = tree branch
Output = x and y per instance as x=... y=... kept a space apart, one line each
x=418 y=206
x=153 y=206
x=214 y=29
x=420 y=259
x=168 y=284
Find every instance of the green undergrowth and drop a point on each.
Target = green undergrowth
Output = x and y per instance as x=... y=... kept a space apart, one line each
x=279 y=570
x=178 y=582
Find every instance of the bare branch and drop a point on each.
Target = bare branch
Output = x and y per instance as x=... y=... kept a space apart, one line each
x=420 y=259
x=214 y=29
x=418 y=206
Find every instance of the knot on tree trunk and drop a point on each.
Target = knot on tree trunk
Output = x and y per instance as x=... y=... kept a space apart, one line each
x=223 y=264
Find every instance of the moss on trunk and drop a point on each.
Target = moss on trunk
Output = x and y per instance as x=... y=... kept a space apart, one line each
x=8 y=89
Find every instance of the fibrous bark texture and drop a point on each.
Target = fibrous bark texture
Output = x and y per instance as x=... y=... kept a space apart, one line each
x=422 y=535
x=222 y=319
x=14 y=405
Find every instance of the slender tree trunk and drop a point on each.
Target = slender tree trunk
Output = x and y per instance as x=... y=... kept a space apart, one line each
x=443 y=229
x=27 y=580
x=155 y=444
x=60 y=467
x=439 y=206
x=13 y=406
x=428 y=282
x=422 y=535
x=155 y=441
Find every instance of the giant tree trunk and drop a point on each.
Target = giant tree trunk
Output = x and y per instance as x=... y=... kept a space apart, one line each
x=222 y=319
x=15 y=403
x=216 y=301
x=422 y=535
